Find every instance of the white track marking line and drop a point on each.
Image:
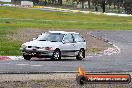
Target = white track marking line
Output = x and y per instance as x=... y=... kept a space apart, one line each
x=22 y=64
x=36 y=65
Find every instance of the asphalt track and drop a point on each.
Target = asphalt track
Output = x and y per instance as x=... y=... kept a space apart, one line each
x=121 y=62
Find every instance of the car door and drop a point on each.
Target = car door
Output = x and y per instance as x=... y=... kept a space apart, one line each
x=68 y=48
x=79 y=42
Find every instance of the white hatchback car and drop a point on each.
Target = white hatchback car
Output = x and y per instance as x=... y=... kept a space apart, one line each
x=55 y=44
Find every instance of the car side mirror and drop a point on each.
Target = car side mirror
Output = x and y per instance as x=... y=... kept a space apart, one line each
x=34 y=38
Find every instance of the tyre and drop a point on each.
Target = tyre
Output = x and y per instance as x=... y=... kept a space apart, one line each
x=81 y=54
x=27 y=57
x=56 y=55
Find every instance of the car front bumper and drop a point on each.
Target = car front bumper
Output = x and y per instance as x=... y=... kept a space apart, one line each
x=37 y=53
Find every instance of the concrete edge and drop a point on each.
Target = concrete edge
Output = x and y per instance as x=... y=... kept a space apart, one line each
x=62 y=72
x=109 y=51
x=85 y=12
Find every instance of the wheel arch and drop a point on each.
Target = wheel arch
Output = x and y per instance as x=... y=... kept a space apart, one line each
x=57 y=49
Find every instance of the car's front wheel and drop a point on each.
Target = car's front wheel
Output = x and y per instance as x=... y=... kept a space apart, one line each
x=81 y=54
x=27 y=57
x=56 y=55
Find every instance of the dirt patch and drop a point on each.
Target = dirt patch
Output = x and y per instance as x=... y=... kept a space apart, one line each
x=60 y=80
x=93 y=44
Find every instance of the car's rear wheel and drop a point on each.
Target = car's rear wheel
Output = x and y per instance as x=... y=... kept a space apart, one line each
x=81 y=54
x=27 y=57
x=56 y=55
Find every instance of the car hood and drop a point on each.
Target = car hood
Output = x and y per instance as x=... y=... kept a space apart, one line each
x=42 y=43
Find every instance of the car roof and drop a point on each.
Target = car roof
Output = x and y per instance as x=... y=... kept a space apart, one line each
x=63 y=32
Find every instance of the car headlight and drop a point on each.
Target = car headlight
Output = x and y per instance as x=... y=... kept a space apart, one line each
x=46 y=48
x=23 y=46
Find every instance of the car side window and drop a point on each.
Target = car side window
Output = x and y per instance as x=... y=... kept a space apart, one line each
x=78 y=38
x=68 y=38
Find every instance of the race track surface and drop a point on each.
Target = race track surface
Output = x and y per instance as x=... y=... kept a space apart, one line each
x=121 y=62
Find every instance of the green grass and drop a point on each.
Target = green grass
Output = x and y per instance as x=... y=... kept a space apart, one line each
x=20 y=18
x=93 y=50
x=61 y=20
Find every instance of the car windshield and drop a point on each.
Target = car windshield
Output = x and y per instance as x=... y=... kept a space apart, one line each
x=52 y=37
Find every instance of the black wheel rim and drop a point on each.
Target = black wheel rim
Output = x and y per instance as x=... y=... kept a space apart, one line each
x=56 y=55
x=81 y=54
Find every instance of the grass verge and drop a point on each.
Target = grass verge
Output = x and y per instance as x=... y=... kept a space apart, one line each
x=12 y=19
